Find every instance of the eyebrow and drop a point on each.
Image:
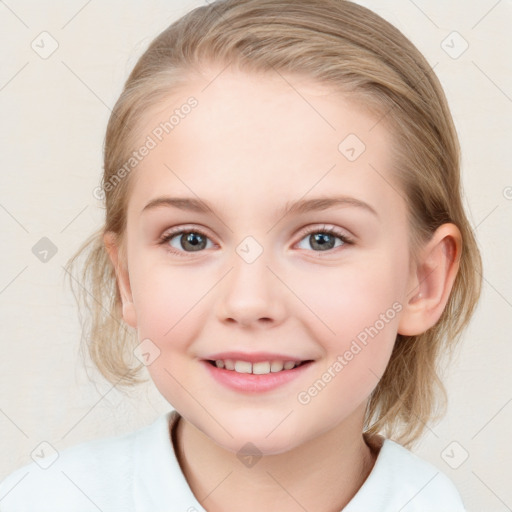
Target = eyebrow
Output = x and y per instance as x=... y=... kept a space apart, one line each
x=291 y=207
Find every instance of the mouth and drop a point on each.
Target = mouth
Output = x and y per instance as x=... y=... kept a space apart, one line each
x=259 y=368
x=258 y=377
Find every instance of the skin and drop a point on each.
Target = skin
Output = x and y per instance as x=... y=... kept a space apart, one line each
x=252 y=144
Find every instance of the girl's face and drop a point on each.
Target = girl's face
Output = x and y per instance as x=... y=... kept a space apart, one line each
x=255 y=274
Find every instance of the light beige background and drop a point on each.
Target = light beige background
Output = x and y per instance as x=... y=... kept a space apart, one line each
x=54 y=113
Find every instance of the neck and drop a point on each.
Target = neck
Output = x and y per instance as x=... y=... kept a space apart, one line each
x=322 y=474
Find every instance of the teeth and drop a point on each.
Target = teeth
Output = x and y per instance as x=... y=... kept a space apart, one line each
x=260 y=368
x=276 y=366
x=264 y=367
x=243 y=367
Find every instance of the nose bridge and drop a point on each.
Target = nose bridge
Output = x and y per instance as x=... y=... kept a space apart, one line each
x=251 y=291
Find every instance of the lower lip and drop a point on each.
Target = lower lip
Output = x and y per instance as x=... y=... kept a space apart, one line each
x=251 y=383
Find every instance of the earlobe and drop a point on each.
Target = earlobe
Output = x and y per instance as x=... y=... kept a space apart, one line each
x=123 y=280
x=431 y=281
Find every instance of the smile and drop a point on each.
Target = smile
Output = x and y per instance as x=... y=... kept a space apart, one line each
x=244 y=376
x=259 y=368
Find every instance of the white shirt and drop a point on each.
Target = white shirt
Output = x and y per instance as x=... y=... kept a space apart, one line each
x=139 y=472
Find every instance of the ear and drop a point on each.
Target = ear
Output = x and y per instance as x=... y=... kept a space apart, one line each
x=431 y=281
x=123 y=280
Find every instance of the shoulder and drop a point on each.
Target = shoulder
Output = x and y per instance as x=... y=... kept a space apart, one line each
x=85 y=477
x=425 y=483
x=401 y=480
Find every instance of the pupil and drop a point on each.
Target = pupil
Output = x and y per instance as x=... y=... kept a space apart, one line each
x=320 y=240
x=194 y=244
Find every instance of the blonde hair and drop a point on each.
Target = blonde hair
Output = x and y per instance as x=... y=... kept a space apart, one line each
x=345 y=46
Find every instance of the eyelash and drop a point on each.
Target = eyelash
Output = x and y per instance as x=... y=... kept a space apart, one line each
x=325 y=230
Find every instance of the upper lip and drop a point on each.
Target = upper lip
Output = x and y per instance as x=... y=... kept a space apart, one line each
x=254 y=357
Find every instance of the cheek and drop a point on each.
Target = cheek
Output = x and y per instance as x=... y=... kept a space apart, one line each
x=357 y=325
x=166 y=297
x=342 y=301
x=353 y=313
x=169 y=303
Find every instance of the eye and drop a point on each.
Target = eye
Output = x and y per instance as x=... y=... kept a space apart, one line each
x=195 y=240
x=187 y=240
x=324 y=239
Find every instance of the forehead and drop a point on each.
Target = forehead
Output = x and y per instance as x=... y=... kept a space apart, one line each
x=270 y=135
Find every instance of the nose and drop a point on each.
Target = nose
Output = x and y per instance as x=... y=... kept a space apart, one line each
x=251 y=295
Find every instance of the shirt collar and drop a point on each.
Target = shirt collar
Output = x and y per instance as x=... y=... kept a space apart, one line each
x=159 y=483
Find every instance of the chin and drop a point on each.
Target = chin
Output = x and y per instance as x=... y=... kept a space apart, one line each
x=257 y=446
x=261 y=435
